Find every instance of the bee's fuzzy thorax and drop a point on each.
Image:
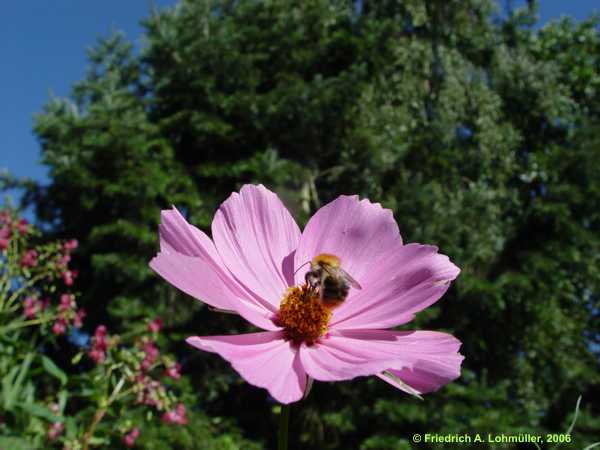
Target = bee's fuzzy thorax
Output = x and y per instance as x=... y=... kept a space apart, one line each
x=327 y=258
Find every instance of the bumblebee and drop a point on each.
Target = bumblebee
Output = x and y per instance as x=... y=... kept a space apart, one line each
x=327 y=278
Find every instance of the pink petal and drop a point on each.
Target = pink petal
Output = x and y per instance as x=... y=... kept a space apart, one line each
x=360 y=233
x=178 y=235
x=189 y=261
x=263 y=359
x=422 y=379
x=334 y=358
x=409 y=280
x=435 y=362
x=197 y=278
x=430 y=357
x=255 y=235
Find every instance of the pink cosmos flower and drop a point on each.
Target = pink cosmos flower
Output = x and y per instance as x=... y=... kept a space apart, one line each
x=255 y=266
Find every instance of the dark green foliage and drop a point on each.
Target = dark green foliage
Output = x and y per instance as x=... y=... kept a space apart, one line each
x=481 y=135
x=110 y=167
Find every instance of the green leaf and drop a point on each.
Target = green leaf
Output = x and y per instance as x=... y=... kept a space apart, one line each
x=39 y=410
x=71 y=427
x=62 y=400
x=96 y=440
x=12 y=393
x=8 y=386
x=14 y=443
x=54 y=370
x=76 y=358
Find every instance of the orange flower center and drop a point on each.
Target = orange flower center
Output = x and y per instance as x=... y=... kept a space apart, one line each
x=302 y=315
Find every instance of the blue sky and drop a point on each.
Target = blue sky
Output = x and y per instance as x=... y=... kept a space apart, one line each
x=43 y=44
x=553 y=9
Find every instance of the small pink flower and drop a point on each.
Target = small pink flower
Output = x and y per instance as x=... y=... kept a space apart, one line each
x=31 y=306
x=67 y=302
x=5 y=235
x=59 y=327
x=64 y=260
x=71 y=244
x=155 y=326
x=5 y=231
x=174 y=371
x=69 y=276
x=256 y=266
x=29 y=258
x=55 y=430
x=101 y=331
x=130 y=438
x=176 y=416
x=5 y=217
x=79 y=316
x=149 y=391
x=99 y=345
x=23 y=226
x=151 y=352
x=98 y=356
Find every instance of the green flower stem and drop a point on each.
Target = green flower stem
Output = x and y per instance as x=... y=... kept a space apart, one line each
x=284 y=421
x=101 y=412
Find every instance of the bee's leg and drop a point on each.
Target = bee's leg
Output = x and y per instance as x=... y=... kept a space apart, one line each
x=310 y=279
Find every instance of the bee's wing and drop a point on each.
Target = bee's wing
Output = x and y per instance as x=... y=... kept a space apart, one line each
x=352 y=281
x=346 y=275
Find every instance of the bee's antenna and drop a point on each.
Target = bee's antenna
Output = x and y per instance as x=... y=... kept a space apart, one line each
x=307 y=262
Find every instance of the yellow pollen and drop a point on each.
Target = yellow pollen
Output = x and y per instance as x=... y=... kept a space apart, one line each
x=302 y=315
